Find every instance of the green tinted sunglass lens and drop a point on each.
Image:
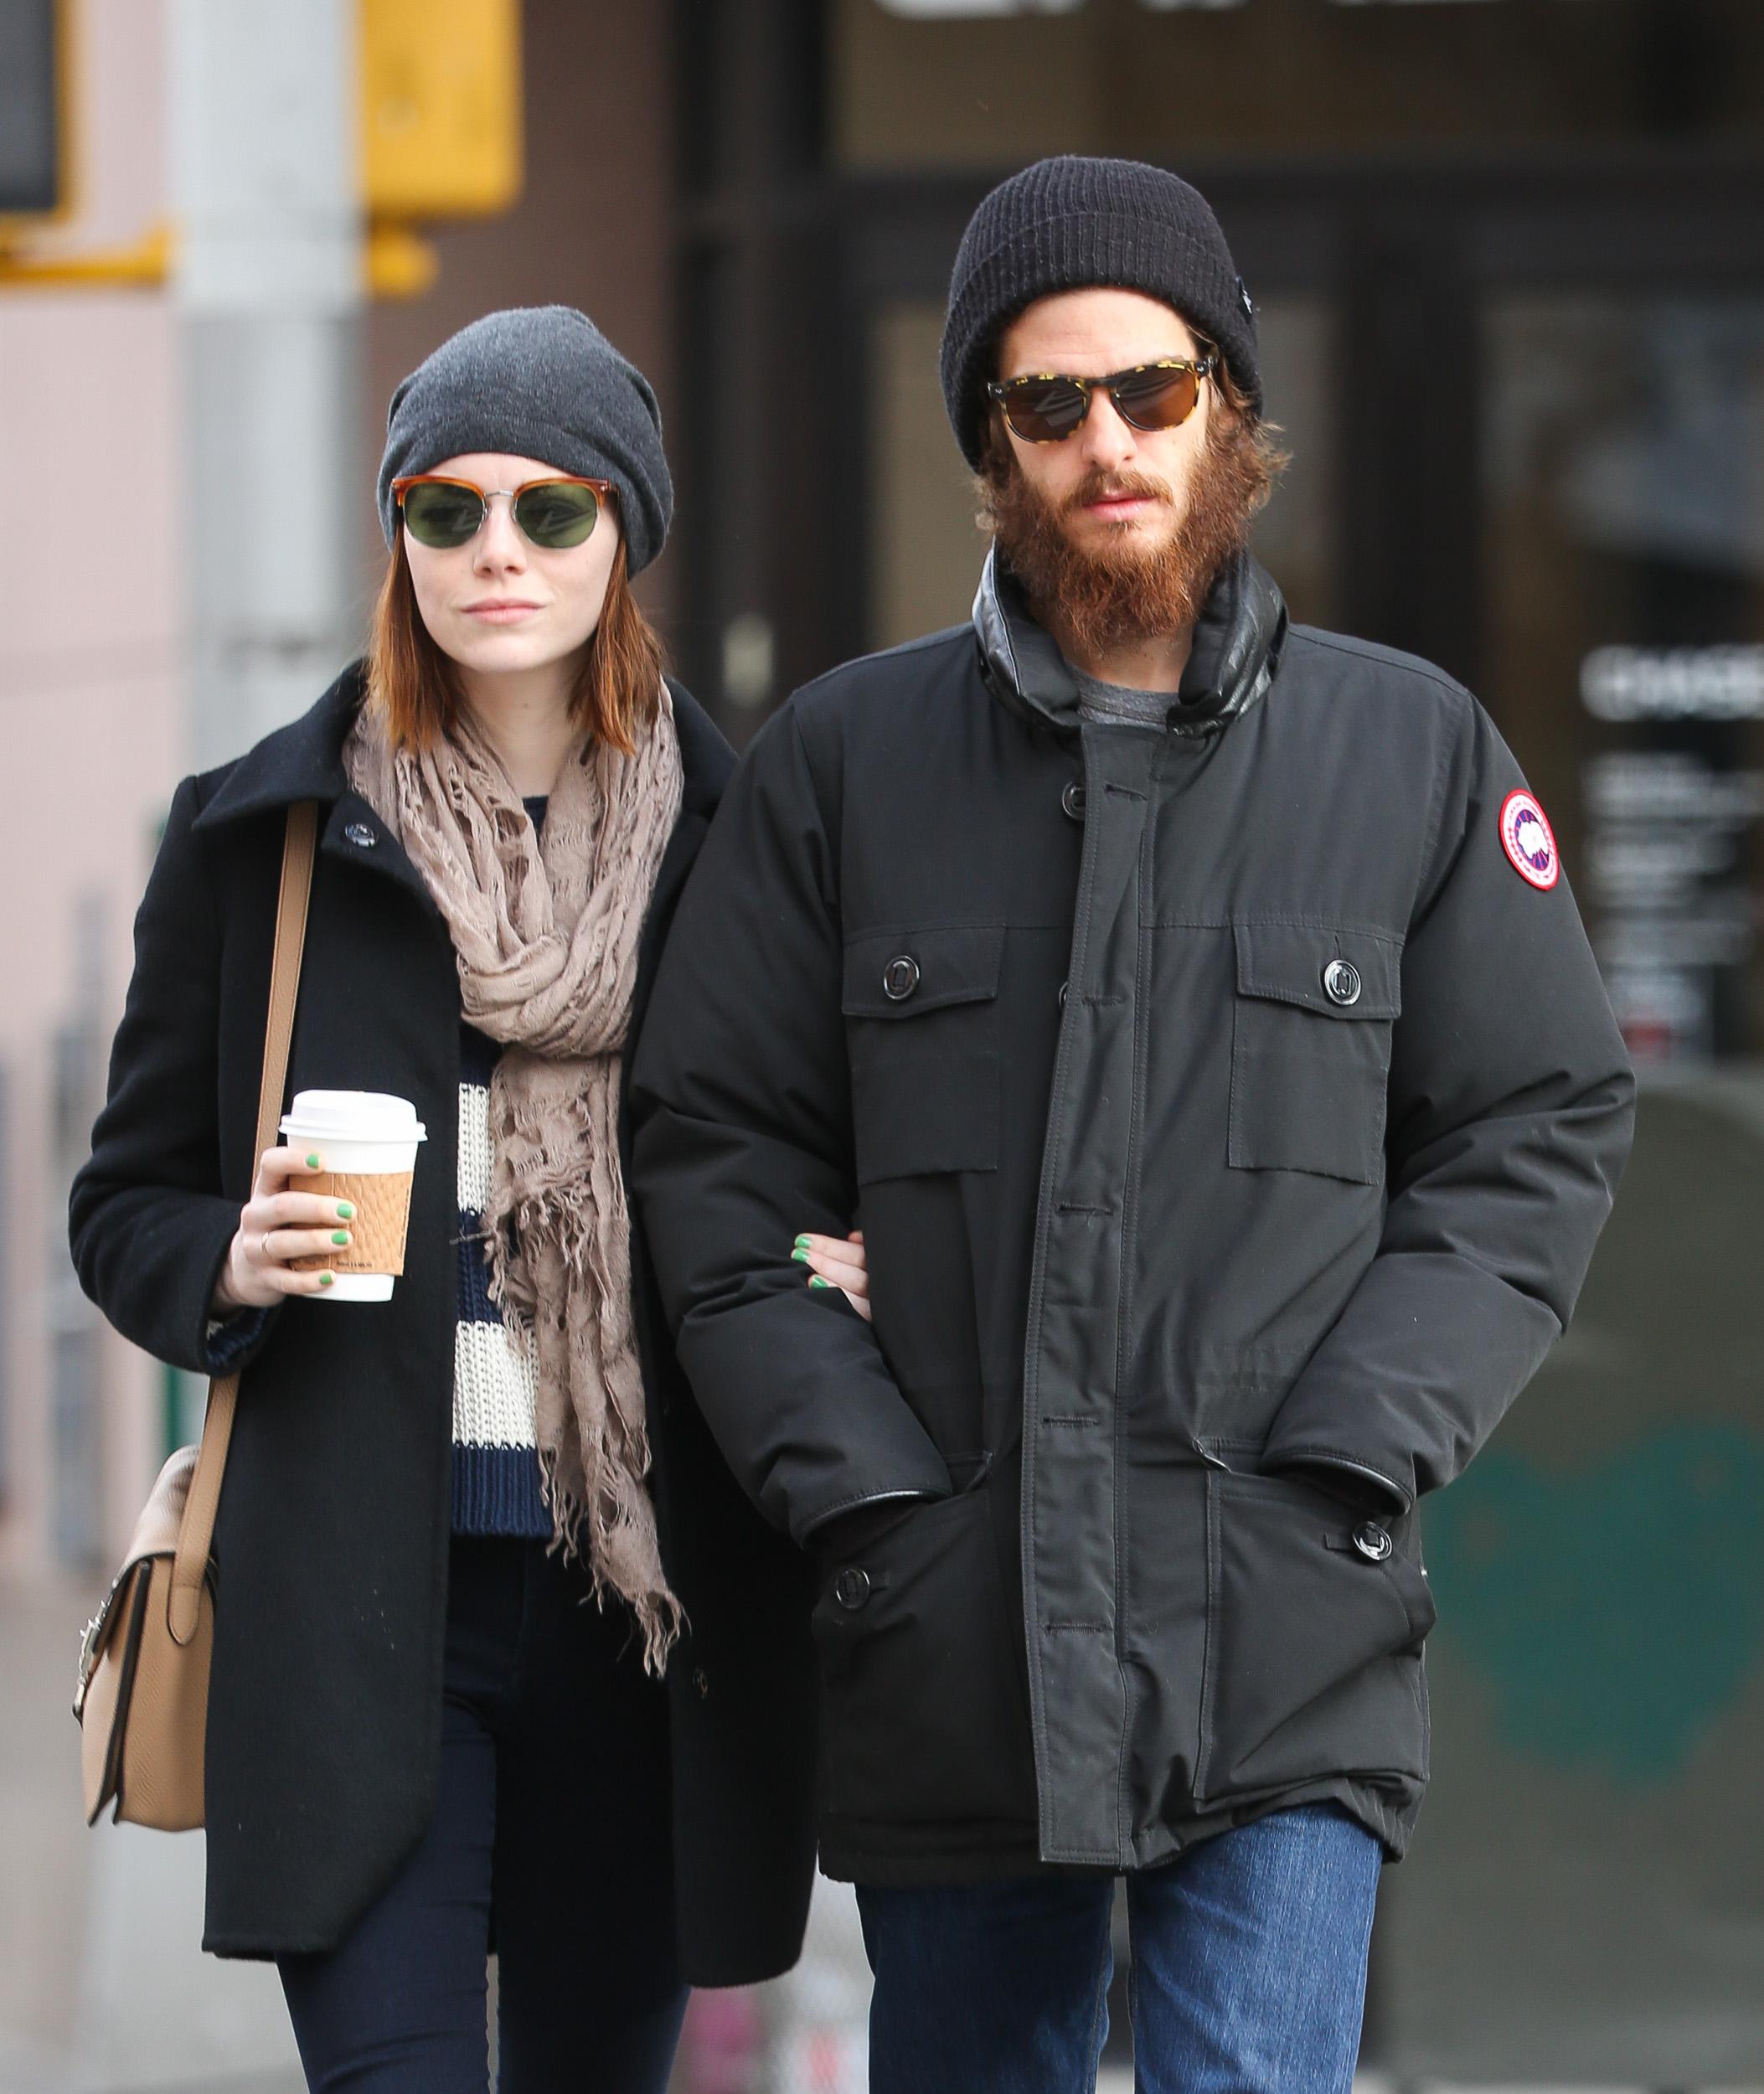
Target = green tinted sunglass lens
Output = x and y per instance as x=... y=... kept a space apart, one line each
x=1157 y=399
x=557 y=513
x=442 y=516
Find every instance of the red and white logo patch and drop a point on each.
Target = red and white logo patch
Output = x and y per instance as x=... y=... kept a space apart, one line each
x=1528 y=840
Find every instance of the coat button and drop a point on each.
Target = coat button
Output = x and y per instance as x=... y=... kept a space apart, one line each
x=361 y=835
x=701 y=1683
x=900 y=978
x=851 y=1588
x=1372 y=1541
x=1064 y=987
x=1072 y=799
x=1341 y=982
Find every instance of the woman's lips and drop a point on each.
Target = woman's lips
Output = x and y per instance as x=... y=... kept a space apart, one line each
x=501 y=614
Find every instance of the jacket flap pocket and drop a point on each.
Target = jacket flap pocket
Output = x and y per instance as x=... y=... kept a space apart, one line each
x=901 y=974
x=1339 y=974
x=924 y=1114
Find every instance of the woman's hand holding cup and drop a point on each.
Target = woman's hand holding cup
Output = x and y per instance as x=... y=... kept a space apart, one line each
x=278 y=1224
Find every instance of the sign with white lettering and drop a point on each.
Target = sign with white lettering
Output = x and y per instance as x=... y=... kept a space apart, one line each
x=1628 y=683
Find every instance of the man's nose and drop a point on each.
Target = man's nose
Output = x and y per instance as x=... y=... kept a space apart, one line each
x=1105 y=438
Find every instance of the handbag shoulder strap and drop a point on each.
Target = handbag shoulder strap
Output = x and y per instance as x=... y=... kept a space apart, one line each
x=196 y=1536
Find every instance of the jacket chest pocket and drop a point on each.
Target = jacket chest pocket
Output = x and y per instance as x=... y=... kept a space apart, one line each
x=1311 y=1049
x=922 y=1032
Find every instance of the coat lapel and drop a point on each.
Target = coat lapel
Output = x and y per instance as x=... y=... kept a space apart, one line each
x=303 y=761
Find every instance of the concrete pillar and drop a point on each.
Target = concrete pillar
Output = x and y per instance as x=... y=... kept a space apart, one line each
x=270 y=297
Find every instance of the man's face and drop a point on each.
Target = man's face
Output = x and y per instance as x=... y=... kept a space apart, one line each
x=1117 y=533
x=1108 y=486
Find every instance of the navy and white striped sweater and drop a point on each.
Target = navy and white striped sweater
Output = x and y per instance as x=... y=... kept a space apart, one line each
x=496 y=1472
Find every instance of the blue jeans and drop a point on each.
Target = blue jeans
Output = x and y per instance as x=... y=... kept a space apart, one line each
x=550 y=1838
x=1248 y=1976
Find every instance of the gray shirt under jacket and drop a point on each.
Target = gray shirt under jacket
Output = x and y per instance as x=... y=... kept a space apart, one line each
x=1119 y=704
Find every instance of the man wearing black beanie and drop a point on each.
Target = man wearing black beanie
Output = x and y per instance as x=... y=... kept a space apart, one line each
x=1195 y=1008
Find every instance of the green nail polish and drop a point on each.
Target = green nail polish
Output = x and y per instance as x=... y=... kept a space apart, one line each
x=802 y=1243
x=345 y=1210
x=818 y=1282
x=340 y=1236
x=800 y=1255
x=326 y=1279
x=311 y=1163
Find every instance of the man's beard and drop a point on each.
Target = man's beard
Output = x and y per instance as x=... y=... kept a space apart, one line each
x=1112 y=592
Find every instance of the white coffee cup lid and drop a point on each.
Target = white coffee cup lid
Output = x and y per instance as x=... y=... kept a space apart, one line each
x=352 y=1116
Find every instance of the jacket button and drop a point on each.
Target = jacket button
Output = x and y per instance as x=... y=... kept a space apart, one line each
x=851 y=1588
x=1372 y=1541
x=900 y=979
x=1064 y=987
x=361 y=835
x=1072 y=799
x=701 y=1683
x=1341 y=982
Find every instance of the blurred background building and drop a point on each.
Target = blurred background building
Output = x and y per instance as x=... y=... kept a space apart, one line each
x=1508 y=256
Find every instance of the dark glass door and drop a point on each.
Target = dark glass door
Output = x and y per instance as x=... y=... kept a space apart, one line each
x=1582 y=1899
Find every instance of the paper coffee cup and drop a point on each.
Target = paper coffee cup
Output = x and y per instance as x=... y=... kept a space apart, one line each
x=368 y=1141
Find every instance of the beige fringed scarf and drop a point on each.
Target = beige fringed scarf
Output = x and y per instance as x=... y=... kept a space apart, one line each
x=547 y=946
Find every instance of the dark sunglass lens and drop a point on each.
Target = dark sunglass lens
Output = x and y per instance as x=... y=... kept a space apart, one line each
x=1043 y=413
x=1157 y=399
x=557 y=515
x=442 y=516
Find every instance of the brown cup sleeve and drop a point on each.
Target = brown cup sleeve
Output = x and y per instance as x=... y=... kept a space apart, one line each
x=382 y=1203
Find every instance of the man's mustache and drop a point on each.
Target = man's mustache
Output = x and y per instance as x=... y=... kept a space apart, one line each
x=1100 y=487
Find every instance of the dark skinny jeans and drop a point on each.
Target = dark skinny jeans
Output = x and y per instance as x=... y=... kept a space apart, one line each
x=549 y=1843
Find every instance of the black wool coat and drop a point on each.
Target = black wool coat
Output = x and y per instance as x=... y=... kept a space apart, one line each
x=324 y=1717
x=1232 y=1106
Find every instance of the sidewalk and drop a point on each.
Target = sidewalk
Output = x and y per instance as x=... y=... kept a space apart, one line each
x=42 y=1886
x=103 y=1987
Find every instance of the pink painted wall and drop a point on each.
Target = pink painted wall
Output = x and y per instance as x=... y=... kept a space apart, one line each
x=91 y=711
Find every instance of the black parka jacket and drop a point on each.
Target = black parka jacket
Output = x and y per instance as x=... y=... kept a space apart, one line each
x=324 y=1716
x=1231 y=1124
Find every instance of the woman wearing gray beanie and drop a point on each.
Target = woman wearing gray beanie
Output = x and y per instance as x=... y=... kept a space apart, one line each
x=503 y=1658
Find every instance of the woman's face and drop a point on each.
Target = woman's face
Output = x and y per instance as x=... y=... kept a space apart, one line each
x=499 y=605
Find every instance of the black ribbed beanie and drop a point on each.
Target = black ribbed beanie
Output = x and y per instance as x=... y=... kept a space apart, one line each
x=1066 y=223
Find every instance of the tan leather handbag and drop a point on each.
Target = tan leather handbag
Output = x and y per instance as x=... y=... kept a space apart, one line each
x=142 y=1697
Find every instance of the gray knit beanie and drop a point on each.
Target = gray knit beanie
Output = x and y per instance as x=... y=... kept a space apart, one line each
x=1069 y=223
x=540 y=382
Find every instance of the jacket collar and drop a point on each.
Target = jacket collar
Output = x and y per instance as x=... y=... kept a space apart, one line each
x=303 y=761
x=1235 y=656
